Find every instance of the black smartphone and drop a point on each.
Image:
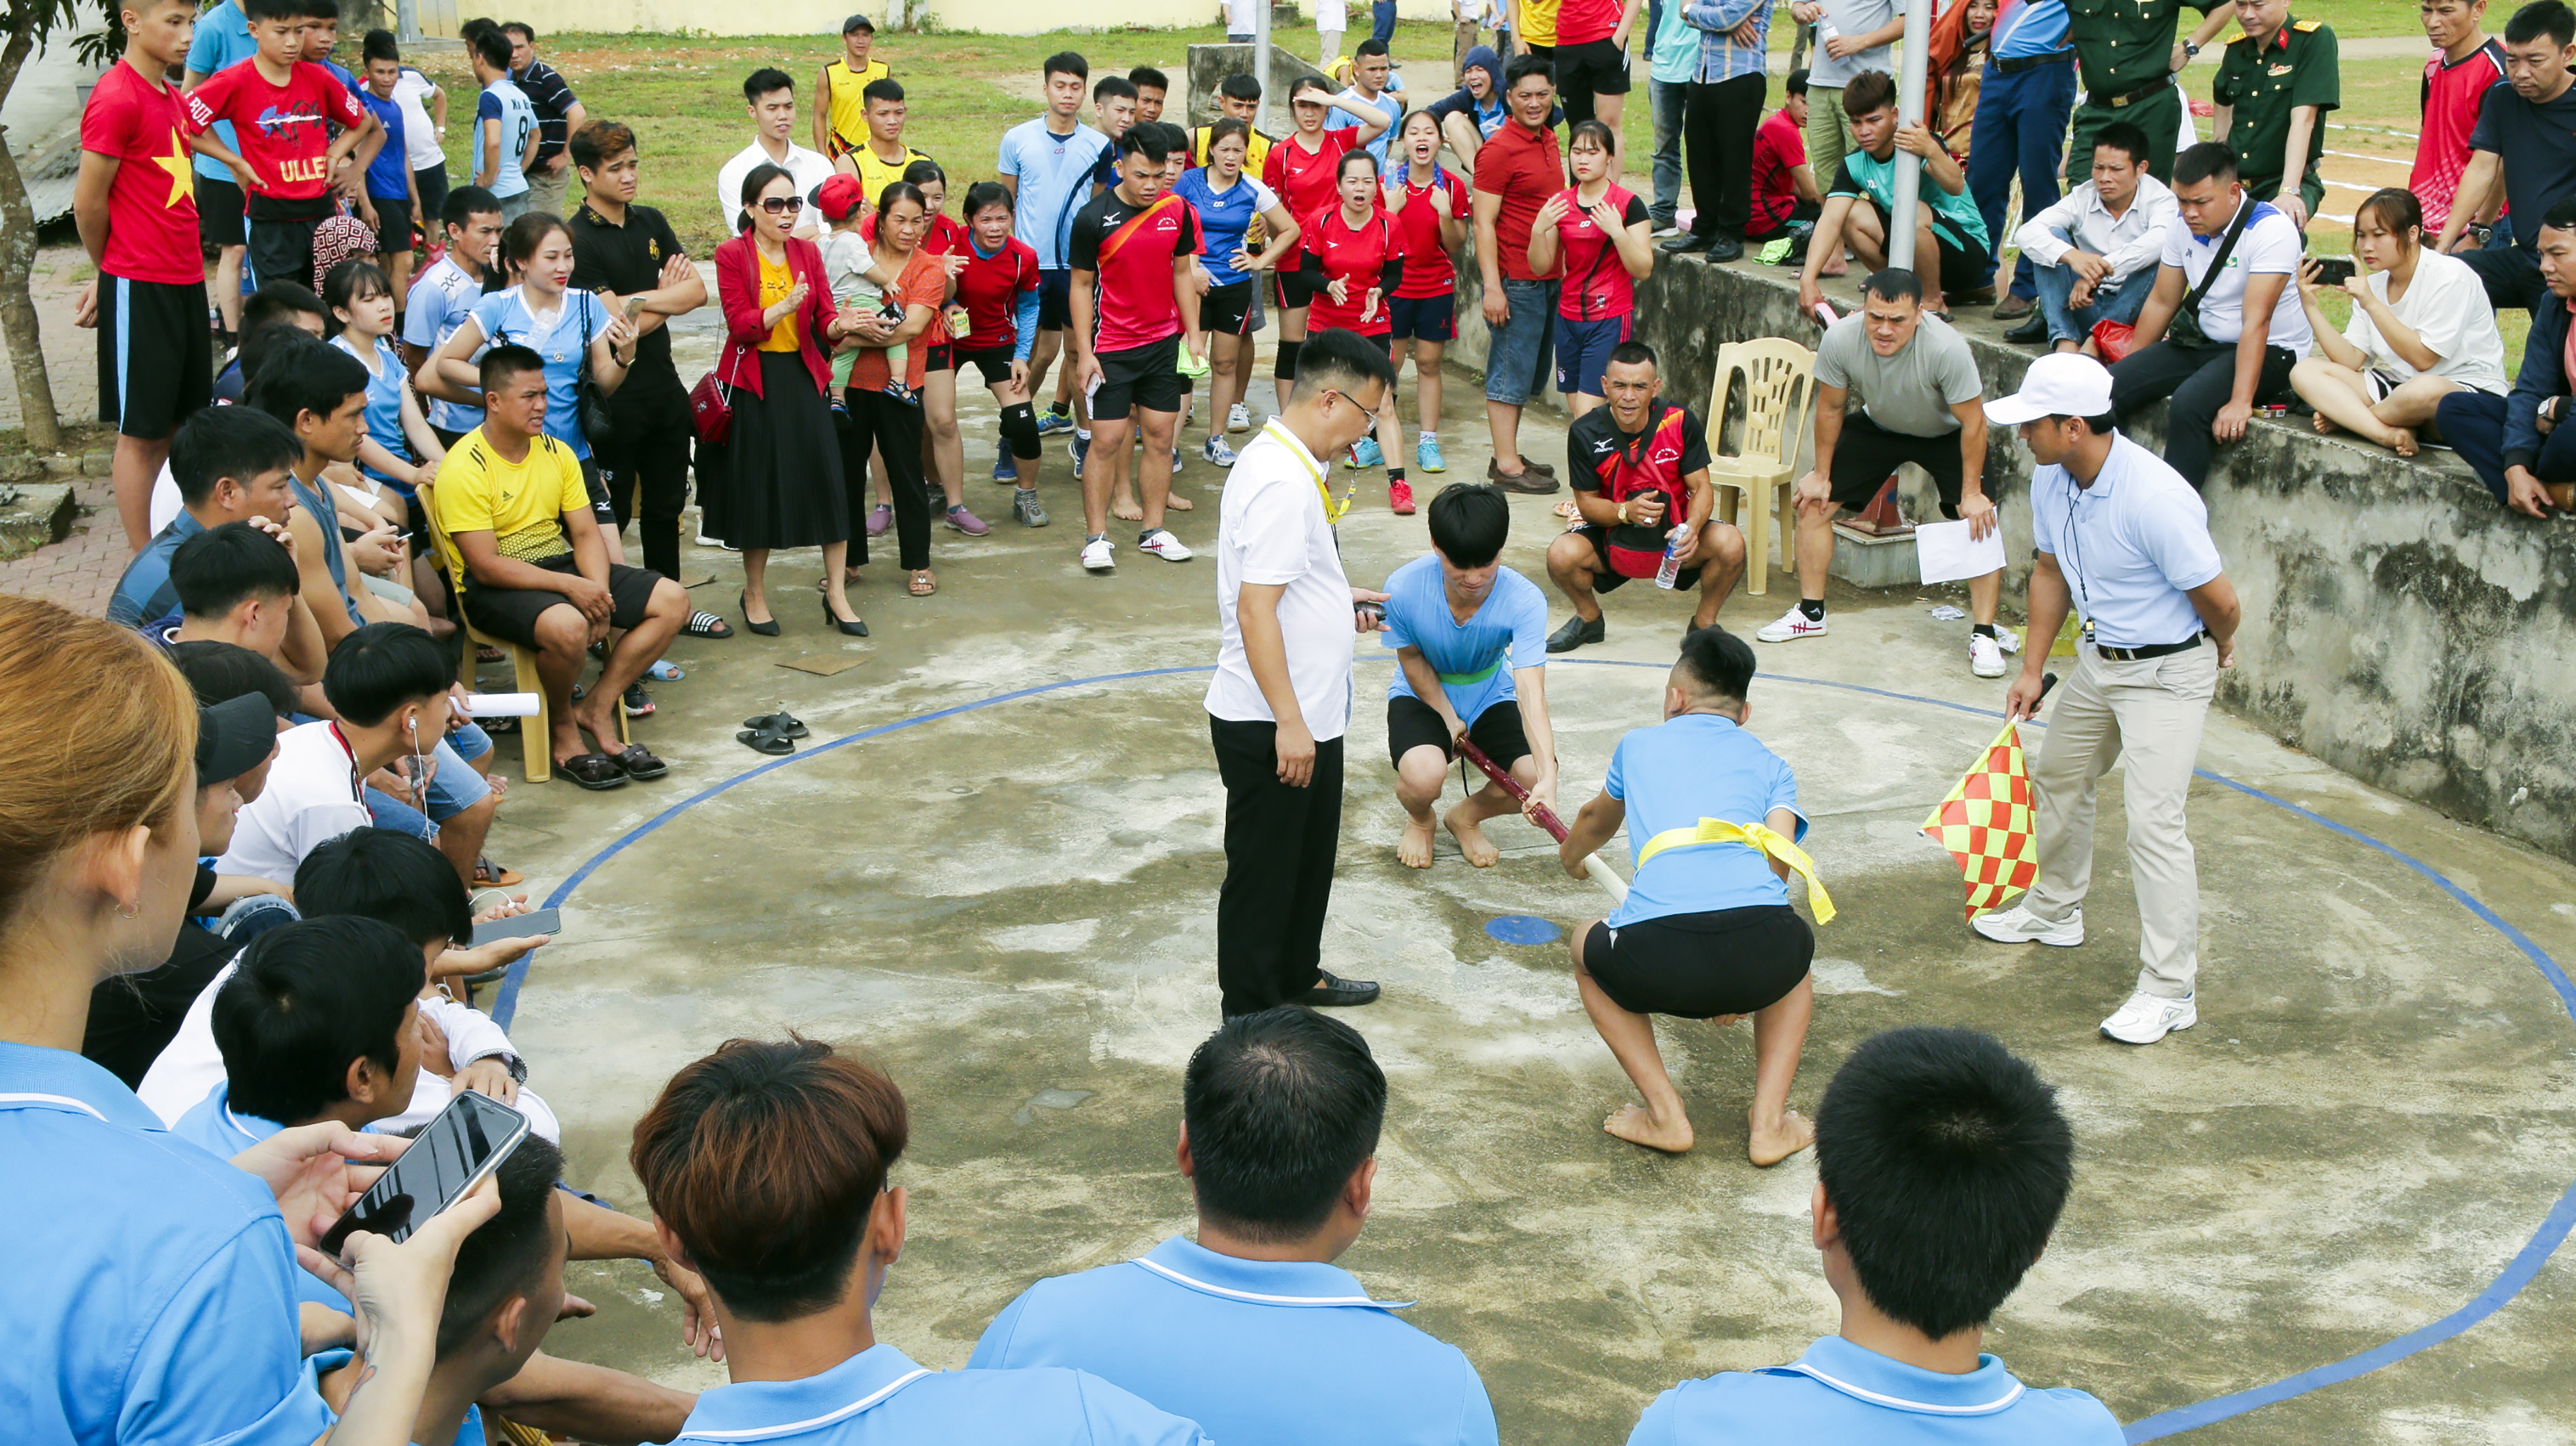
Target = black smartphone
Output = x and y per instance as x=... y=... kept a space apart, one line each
x=1374 y=611
x=2334 y=270
x=519 y=926
x=452 y=1153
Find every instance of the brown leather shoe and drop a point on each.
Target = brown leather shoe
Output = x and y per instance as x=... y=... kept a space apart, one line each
x=2013 y=308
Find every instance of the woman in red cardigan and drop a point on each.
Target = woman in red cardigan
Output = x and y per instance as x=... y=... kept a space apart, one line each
x=778 y=475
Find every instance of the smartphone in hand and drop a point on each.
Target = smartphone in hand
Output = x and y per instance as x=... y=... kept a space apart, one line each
x=450 y=1156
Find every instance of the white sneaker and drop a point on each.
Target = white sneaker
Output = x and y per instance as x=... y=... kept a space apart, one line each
x=2007 y=639
x=2147 y=1018
x=2018 y=925
x=1985 y=656
x=1095 y=554
x=1238 y=418
x=1164 y=545
x=1792 y=624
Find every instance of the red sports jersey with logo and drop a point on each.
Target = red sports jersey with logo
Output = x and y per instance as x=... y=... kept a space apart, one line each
x=1304 y=180
x=1358 y=257
x=2453 y=93
x=1580 y=22
x=1597 y=285
x=1130 y=250
x=284 y=130
x=152 y=203
x=990 y=290
x=1427 y=268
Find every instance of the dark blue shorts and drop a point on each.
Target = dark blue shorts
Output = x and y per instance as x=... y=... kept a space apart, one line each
x=1430 y=318
x=1583 y=351
x=1055 y=299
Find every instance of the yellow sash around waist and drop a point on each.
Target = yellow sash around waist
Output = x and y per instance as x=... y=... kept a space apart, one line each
x=1761 y=838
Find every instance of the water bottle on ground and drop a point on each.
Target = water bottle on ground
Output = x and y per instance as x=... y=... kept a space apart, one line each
x=1668 y=575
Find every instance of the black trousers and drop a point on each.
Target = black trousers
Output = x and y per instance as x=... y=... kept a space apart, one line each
x=2200 y=378
x=645 y=467
x=890 y=425
x=1718 y=122
x=1279 y=847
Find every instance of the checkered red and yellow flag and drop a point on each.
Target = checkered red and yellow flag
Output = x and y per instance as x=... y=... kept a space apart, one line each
x=1986 y=824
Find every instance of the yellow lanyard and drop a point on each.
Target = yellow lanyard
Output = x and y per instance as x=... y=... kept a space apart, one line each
x=1762 y=838
x=1332 y=510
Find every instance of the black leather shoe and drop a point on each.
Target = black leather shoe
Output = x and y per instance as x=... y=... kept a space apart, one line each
x=1724 y=248
x=2035 y=329
x=1332 y=993
x=1687 y=245
x=854 y=628
x=1576 y=633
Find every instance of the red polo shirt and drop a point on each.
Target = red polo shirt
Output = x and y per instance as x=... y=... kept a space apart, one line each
x=1521 y=166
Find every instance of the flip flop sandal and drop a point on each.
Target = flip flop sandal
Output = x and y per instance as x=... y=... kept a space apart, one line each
x=703 y=624
x=595 y=771
x=485 y=653
x=499 y=727
x=664 y=673
x=489 y=875
x=782 y=723
x=764 y=740
x=638 y=762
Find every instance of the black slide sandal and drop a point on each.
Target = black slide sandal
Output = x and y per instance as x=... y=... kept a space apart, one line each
x=764 y=740
x=594 y=771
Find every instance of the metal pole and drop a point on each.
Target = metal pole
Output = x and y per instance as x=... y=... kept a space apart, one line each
x=406 y=21
x=1261 y=65
x=1909 y=111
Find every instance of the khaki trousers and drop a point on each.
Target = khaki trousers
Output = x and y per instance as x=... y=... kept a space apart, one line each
x=2152 y=712
x=546 y=191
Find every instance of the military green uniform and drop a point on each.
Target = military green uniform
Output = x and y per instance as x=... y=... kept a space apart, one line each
x=2261 y=88
x=2124 y=61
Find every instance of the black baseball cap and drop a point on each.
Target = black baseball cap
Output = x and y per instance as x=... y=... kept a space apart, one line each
x=858 y=22
x=234 y=737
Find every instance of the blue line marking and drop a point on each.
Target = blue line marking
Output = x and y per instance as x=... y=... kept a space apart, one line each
x=2524 y=1267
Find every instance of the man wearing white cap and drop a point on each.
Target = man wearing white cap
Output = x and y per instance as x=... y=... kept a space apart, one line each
x=2124 y=540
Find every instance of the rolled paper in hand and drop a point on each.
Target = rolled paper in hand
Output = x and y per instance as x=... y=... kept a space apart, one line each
x=500 y=705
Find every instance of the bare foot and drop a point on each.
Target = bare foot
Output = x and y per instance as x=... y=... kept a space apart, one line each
x=1178 y=503
x=2401 y=440
x=1834 y=267
x=1726 y=1021
x=1124 y=508
x=1769 y=1147
x=1472 y=842
x=2325 y=425
x=1414 y=849
x=1637 y=1127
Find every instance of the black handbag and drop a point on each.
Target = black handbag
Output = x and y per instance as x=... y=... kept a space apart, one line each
x=589 y=403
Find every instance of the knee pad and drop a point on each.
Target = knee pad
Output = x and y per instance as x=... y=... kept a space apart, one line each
x=1020 y=429
x=1285 y=369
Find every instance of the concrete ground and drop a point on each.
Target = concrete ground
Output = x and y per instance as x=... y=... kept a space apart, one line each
x=1008 y=901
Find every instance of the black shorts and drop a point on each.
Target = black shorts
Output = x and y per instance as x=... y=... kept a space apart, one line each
x=1291 y=290
x=1412 y=723
x=1055 y=299
x=994 y=362
x=283 y=250
x=1699 y=966
x=393 y=223
x=512 y=613
x=1425 y=318
x=1868 y=452
x=447 y=440
x=1596 y=67
x=942 y=357
x=1147 y=377
x=1961 y=269
x=156 y=362
x=1606 y=578
x=219 y=213
x=432 y=181
x=1227 y=310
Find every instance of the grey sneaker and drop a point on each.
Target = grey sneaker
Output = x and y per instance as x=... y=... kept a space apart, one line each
x=1026 y=507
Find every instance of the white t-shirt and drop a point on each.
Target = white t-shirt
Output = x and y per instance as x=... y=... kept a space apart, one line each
x=166 y=502
x=1242 y=17
x=1332 y=17
x=2269 y=247
x=310 y=800
x=807 y=168
x=421 y=139
x=2447 y=306
x=1271 y=530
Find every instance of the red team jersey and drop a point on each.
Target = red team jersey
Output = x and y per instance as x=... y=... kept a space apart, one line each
x=152 y=204
x=1358 y=258
x=1597 y=285
x=284 y=130
x=990 y=290
x=1580 y=22
x=1304 y=179
x=1129 y=249
x=2452 y=93
x=1427 y=269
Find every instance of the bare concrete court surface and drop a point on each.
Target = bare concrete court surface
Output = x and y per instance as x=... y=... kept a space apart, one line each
x=1011 y=906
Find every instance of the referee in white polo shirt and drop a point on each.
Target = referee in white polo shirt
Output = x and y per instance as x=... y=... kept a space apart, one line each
x=1281 y=699
x=2123 y=540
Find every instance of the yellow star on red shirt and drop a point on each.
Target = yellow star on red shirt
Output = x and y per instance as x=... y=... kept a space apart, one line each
x=176 y=163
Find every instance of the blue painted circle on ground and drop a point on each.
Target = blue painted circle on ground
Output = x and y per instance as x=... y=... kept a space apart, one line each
x=1522 y=929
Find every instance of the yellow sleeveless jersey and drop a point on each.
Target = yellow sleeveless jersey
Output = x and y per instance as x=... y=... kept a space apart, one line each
x=849 y=111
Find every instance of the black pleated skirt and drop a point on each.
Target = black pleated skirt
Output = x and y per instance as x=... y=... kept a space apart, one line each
x=777 y=480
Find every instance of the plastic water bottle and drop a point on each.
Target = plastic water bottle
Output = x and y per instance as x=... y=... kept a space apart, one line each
x=1670 y=574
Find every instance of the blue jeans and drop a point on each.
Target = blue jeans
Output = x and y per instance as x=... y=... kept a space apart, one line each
x=2021 y=122
x=1382 y=21
x=1670 y=100
x=2473 y=424
x=2120 y=302
x=1517 y=352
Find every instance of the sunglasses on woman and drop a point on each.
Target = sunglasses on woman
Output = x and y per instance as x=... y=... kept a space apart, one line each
x=777 y=205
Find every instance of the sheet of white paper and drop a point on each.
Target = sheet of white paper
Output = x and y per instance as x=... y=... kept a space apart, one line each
x=1945 y=553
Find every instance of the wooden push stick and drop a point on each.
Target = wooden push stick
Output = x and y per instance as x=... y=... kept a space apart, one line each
x=1601 y=872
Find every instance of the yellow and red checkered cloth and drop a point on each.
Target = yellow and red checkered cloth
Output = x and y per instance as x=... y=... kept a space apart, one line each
x=1986 y=823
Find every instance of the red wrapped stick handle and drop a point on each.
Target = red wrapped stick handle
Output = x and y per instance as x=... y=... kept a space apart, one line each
x=1601 y=872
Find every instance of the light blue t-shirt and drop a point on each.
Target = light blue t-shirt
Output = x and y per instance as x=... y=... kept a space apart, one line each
x=1674 y=58
x=1673 y=775
x=505 y=102
x=2030 y=27
x=212 y=1125
x=222 y=42
x=1054 y=174
x=1338 y=119
x=151 y=1284
x=1224 y=217
x=469 y=1432
x=880 y=1398
x=1474 y=659
x=504 y=316
x=384 y=403
x=1205 y=1335
x=1838 y=1391
x=439 y=301
x=2132 y=545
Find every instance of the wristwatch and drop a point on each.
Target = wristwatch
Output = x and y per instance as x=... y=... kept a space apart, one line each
x=517 y=1067
x=2190 y=51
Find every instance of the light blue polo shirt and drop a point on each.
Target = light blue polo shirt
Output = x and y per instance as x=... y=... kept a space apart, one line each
x=469 y=1432
x=1387 y=101
x=150 y=1284
x=1840 y=1392
x=1673 y=775
x=2132 y=545
x=1474 y=659
x=2028 y=28
x=212 y=1125
x=1054 y=177
x=880 y=1398
x=1260 y=1352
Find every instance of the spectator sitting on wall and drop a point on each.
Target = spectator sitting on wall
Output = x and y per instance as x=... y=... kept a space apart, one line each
x=2523 y=153
x=2421 y=329
x=2519 y=444
x=2094 y=251
x=1859 y=204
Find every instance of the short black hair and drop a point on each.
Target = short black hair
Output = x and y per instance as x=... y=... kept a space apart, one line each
x=1796 y=84
x=1145 y=75
x=1067 y=62
x=468 y=29
x=389 y=876
x=214 y=571
x=520 y=29
x=1338 y=357
x=501 y=1258
x=1151 y=140
x=272 y=9
x=504 y=362
x=1109 y=85
x=305 y=375
x=1282 y=1106
x=2542 y=17
x=1239 y=87
x=236 y=442
x=467 y=201
x=379 y=45
x=598 y=143
x=924 y=171
x=1469 y=523
x=2561 y=215
x=220 y=672
x=884 y=87
x=1305 y=83
x=382 y=666
x=1947 y=1161
x=278 y=302
x=310 y=999
x=1895 y=283
x=987 y=193
x=491 y=47
x=1370 y=46
x=1632 y=353
x=2208 y=161
x=1521 y=67
x=764 y=81
x=1869 y=91
x=2127 y=139
x=1719 y=662
x=321 y=10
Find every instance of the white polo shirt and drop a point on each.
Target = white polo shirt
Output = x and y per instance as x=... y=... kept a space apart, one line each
x=807 y=168
x=1271 y=530
x=2132 y=545
x=310 y=799
x=2269 y=247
